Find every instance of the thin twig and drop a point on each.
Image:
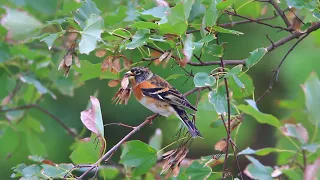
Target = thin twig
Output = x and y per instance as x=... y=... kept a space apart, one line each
x=281 y=13
x=259 y=22
x=46 y=112
x=276 y=71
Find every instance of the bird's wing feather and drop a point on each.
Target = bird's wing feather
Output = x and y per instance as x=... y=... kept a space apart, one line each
x=168 y=94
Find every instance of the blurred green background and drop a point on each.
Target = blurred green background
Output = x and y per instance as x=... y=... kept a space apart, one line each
x=297 y=67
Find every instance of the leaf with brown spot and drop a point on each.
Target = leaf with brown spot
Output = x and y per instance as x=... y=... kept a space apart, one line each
x=113 y=83
x=101 y=52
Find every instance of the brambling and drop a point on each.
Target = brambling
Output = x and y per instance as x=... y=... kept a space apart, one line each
x=159 y=96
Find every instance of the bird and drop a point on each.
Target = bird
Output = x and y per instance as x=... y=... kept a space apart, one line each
x=159 y=96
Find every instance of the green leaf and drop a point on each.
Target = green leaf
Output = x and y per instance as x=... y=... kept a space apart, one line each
x=41 y=89
x=264 y=151
x=219 y=101
x=18 y=170
x=297 y=131
x=92 y=117
x=57 y=171
x=158 y=12
x=35 y=145
x=20 y=25
x=253 y=111
x=197 y=10
x=238 y=82
x=139 y=39
x=212 y=14
x=69 y=6
x=87 y=10
x=196 y=170
x=255 y=56
x=215 y=50
x=224 y=4
x=299 y=4
x=10 y=138
x=139 y=155
x=91 y=34
x=187 y=5
x=226 y=31
x=32 y=170
x=234 y=71
x=86 y=151
x=145 y=25
x=207 y=38
x=4 y=52
x=240 y=92
x=311 y=89
x=188 y=47
x=256 y=170
x=95 y=71
x=33 y=124
x=49 y=40
x=108 y=172
x=47 y=7
x=202 y=79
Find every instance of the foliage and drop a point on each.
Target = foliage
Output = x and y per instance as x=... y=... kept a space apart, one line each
x=97 y=39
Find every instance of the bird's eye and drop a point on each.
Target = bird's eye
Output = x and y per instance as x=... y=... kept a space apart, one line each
x=138 y=72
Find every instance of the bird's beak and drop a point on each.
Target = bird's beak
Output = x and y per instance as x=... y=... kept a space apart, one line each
x=129 y=75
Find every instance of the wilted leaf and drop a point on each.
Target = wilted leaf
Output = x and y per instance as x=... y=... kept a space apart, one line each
x=198 y=171
x=138 y=155
x=256 y=170
x=202 y=79
x=255 y=56
x=92 y=117
x=20 y=25
x=295 y=130
x=311 y=90
x=263 y=118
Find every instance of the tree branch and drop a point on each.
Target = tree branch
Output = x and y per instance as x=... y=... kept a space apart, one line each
x=73 y=134
x=281 y=13
x=136 y=129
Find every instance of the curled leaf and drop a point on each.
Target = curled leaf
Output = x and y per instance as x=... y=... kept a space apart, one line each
x=92 y=117
x=295 y=130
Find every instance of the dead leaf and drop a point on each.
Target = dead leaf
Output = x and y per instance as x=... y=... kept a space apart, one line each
x=116 y=66
x=46 y=161
x=264 y=10
x=122 y=96
x=221 y=145
x=165 y=62
x=68 y=60
x=101 y=52
x=113 y=83
x=126 y=63
x=106 y=63
x=163 y=56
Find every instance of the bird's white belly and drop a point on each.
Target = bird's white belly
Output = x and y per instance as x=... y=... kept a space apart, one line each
x=159 y=107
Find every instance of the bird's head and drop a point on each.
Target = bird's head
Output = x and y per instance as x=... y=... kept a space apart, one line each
x=139 y=73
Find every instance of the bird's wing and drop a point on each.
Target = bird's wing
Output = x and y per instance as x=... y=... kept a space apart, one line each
x=160 y=89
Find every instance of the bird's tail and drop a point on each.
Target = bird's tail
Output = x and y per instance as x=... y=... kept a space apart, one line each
x=186 y=121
